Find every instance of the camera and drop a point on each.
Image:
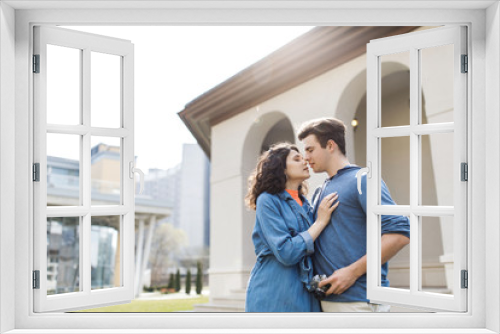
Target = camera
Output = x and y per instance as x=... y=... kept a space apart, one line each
x=319 y=293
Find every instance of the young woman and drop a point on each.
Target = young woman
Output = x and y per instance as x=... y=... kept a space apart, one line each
x=283 y=235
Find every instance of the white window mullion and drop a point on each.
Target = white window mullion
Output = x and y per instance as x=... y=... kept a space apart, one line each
x=81 y=130
x=372 y=149
x=85 y=176
x=40 y=156
x=415 y=171
x=128 y=193
x=460 y=156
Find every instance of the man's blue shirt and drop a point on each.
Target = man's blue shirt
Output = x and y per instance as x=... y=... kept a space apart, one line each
x=343 y=241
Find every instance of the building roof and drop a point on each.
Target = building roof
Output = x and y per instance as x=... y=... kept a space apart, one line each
x=315 y=52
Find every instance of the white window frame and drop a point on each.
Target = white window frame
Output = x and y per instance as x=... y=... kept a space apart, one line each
x=86 y=44
x=413 y=43
x=483 y=122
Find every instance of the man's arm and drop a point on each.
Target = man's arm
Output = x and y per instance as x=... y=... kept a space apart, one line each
x=343 y=278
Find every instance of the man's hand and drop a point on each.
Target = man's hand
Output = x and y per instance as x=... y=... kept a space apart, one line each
x=341 y=280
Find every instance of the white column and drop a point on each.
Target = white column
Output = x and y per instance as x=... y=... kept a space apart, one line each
x=138 y=257
x=147 y=249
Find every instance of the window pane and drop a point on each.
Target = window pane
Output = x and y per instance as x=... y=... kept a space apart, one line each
x=105 y=252
x=63 y=85
x=63 y=169
x=395 y=168
x=399 y=268
x=437 y=169
x=106 y=170
x=105 y=90
x=436 y=253
x=395 y=89
x=63 y=255
x=437 y=82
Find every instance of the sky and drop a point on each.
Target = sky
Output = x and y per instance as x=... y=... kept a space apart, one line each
x=176 y=64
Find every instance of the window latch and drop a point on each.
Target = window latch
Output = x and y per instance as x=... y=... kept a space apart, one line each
x=132 y=171
x=367 y=170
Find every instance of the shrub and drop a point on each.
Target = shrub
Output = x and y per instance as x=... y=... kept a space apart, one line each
x=177 y=281
x=148 y=289
x=188 y=282
x=171 y=282
x=199 y=278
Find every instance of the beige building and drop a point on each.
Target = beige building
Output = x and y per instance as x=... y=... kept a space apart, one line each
x=322 y=73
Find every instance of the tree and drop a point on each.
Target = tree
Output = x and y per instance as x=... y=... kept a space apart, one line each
x=177 y=281
x=171 y=282
x=199 y=278
x=188 y=282
x=167 y=241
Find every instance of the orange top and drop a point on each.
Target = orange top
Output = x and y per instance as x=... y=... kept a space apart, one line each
x=295 y=195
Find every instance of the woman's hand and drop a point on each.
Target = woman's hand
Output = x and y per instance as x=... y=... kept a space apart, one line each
x=326 y=207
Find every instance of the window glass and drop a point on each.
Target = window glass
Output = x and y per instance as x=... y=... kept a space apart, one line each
x=105 y=256
x=63 y=85
x=63 y=255
x=63 y=169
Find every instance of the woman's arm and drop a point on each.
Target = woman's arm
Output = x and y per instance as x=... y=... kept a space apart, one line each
x=288 y=249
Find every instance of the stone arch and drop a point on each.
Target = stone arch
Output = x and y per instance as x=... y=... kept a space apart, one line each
x=351 y=97
x=270 y=128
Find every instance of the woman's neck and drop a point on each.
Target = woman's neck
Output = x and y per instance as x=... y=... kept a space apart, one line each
x=293 y=185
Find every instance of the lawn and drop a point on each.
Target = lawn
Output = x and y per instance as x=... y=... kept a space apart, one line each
x=164 y=305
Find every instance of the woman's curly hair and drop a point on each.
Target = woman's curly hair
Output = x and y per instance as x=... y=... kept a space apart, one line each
x=269 y=175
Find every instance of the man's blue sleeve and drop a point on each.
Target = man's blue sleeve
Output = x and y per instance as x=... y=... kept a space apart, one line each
x=390 y=223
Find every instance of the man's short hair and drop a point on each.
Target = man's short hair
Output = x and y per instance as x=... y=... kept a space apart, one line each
x=325 y=129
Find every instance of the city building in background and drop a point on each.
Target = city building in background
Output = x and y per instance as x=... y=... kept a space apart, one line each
x=185 y=188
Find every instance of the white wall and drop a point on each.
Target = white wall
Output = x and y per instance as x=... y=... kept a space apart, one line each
x=7 y=159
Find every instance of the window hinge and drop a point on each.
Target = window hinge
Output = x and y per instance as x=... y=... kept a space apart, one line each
x=36 y=172
x=36 y=279
x=465 y=64
x=464 y=171
x=36 y=63
x=465 y=279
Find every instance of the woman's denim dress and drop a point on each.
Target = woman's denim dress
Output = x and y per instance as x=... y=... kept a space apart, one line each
x=279 y=280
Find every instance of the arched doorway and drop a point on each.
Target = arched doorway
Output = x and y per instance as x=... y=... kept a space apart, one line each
x=269 y=129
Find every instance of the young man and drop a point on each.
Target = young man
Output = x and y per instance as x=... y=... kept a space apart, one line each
x=340 y=251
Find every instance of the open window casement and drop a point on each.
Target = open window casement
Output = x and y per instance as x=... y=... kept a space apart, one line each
x=83 y=170
x=436 y=61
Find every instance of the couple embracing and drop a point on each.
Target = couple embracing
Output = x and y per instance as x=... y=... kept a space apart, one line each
x=312 y=257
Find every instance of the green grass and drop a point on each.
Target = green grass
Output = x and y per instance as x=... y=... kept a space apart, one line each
x=166 y=305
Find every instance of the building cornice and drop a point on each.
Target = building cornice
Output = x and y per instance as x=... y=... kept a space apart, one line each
x=308 y=56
